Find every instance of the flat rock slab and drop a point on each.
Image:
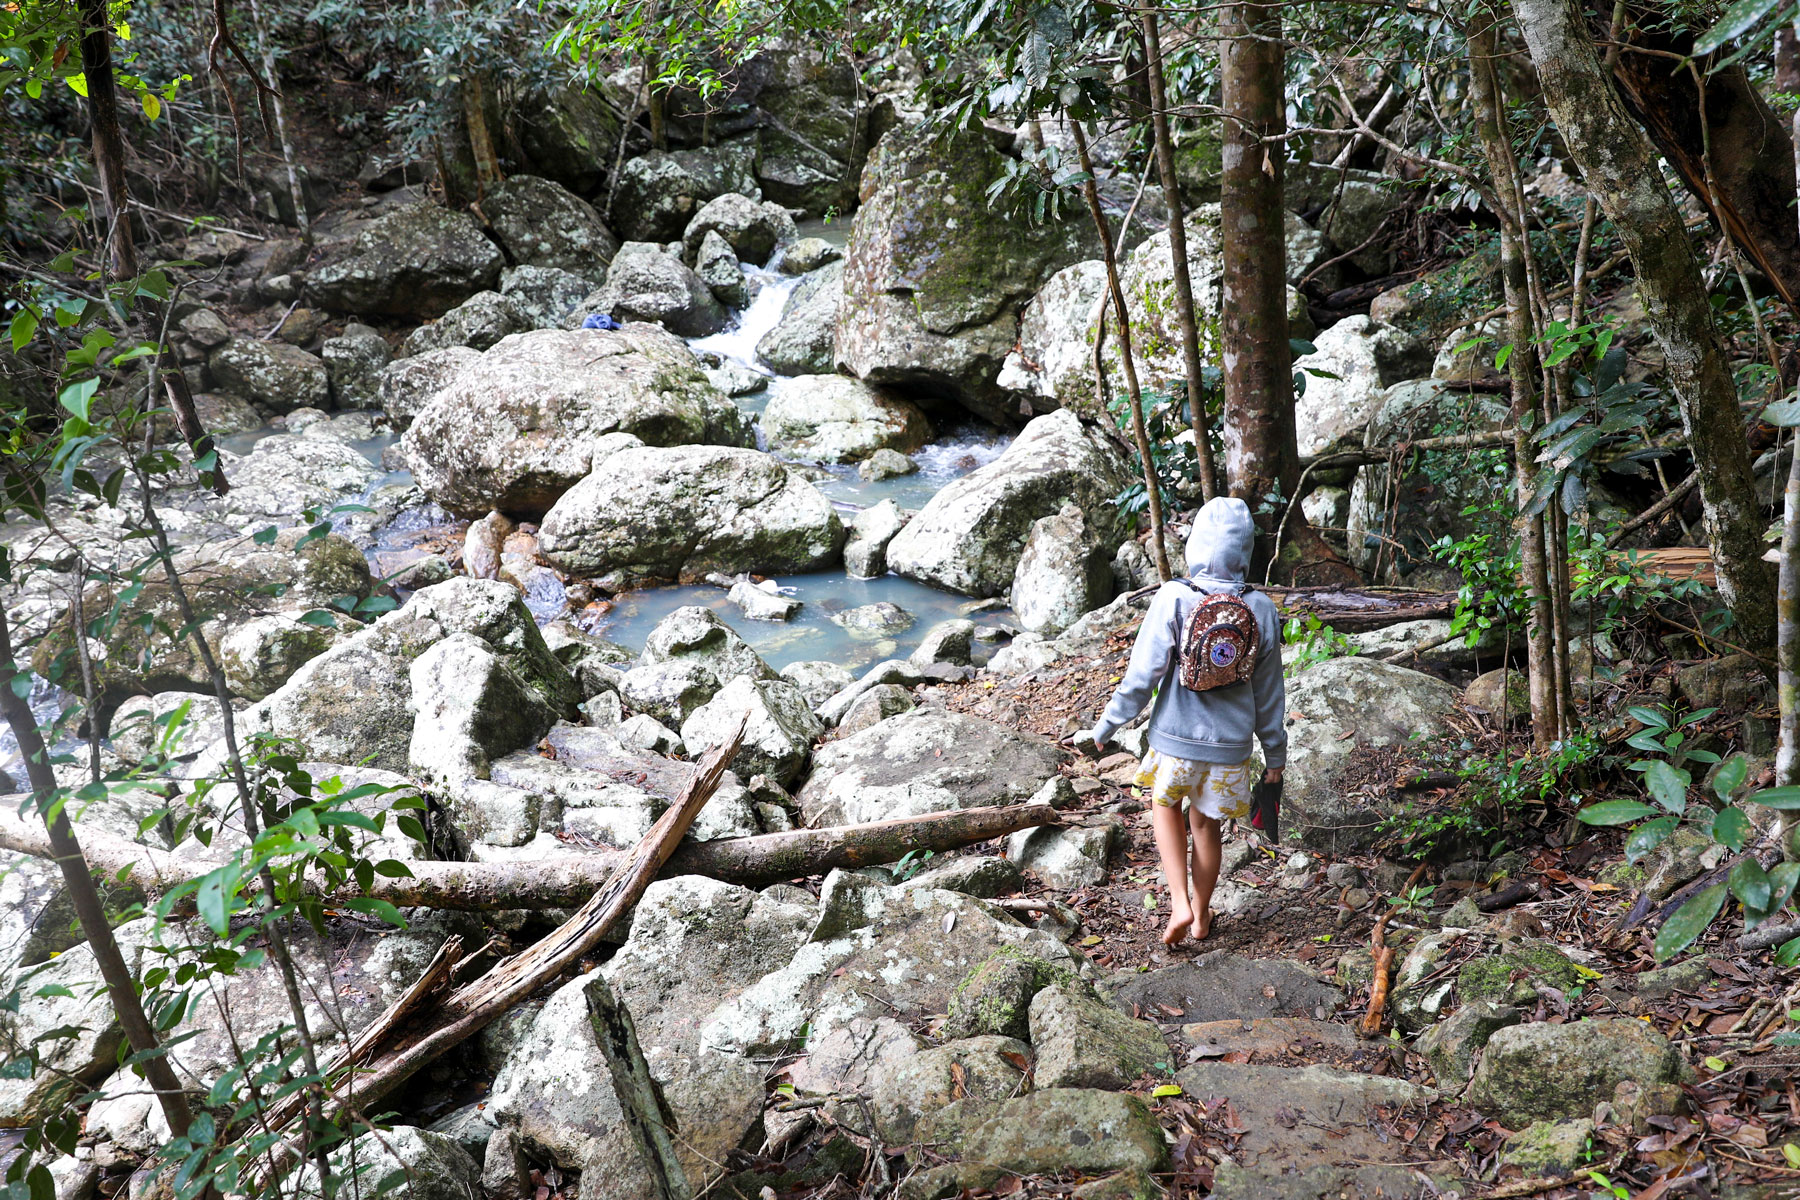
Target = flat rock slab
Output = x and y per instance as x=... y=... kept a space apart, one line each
x=1222 y=986
x=1306 y=1117
x=1326 y=1183
x=1267 y=1036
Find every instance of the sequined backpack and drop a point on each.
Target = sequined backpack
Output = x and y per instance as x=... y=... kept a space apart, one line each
x=1220 y=644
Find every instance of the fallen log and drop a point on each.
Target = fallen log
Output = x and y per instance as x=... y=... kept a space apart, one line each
x=568 y=880
x=1359 y=610
x=415 y=1034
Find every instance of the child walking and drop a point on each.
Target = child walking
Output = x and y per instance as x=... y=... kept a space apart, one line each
x=1214 y=684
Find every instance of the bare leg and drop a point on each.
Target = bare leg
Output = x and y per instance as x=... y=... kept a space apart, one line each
x=1205 y=870
x=1171 y=846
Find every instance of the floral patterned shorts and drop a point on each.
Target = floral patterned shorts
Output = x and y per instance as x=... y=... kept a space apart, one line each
x=1217 y=790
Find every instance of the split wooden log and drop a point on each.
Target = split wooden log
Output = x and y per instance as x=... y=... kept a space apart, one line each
x=407 y=1039
x=1370 y=1026
x=568 y=880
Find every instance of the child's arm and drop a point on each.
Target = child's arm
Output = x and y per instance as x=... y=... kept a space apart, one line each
x=1269 y=690
x=1151 y=654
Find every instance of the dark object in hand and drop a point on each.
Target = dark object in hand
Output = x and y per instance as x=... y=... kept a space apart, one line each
x=1265 y=811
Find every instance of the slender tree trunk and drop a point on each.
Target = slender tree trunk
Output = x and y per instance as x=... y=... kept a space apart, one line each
x=1134 y=396
x=121 y=989
x=302 y=219
x=1178 y=258
x=1787 y=602
x=109 y=163
x=1620 y=170
x=481 y=140
x=1522 y=368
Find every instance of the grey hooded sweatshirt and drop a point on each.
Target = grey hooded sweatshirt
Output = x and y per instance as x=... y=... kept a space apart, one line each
x=1219 y=725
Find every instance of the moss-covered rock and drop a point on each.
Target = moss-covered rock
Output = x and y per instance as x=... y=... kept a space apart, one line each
x=936 y=275
x=995 y=998
x=1545 y=1072
x=1071 y=1129
x=1511 y=976
x=1451 y=1046
x=417 y=261
x=1084 y=1042
x=1551 y=1147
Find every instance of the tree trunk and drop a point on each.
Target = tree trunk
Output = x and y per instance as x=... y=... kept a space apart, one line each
x=90 y=910
x=481 y=140
x=1178 y=259
x=302 y=219
x=1620 y=169
x=567 y=881
x=1752 y=153
x=1262 y=457
x=1522 y=369
x=109 y=163
x=1134 y=396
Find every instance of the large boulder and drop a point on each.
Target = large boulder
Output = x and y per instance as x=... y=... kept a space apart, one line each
x=1393 y=523
x=753 y=229
x=519 y=427
x=547 y=295
x=479 y=323
x=543 y=224
x=935 y=276
x=874 y=952
x=1064 y=571
x=1351 y=364
x=285 y=475
x=804 y=340
x=418 y=261
x=570 y=131
x=404 y=388
x=1333 y=708
x=274 y=375
x=659 y=192
x=816 y=129
x=681 y=512
x=923 y=761
x=1054 y=335
x=575 y=1088
x=471 y=708
x=647 y=283
x=694 y=634
x=970 y=536
x=353 y=360
x=834 y=419
x=1545 y=1072
x=696 y=943
x=355 y=702
x=431 y=1165
x=779 y=727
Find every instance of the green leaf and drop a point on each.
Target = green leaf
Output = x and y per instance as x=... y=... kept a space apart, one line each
x=1783 y=413
x=1730 y=778
x=152 y=105
x=78 y=397
x=1788 y=953
x=1166 y=1089
x=24 y=328
x=1738 y=20
x=1787 y=799
x=318 y=617
x=1782 y=878
x=1648 y=716
x=1648 y=836
x=393 y=868
x=1689 y=922
x=1668 y=785
x=1615 y=812
x=1750 y=884
x=1730 y=827
x=1646 y=740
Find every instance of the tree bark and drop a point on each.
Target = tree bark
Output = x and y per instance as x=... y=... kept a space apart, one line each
x=1262 y=457
x=481 y=140
x=109 y=163
x=567 y=881
x=1134 y=395
x=1620 y=169
x=1752 y=153
x=1178 y=259
x=297 y=194
x=90 y=910
x=1522 y=369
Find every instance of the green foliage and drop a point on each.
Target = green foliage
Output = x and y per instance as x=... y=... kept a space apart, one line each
x=1172 y=454
x=1312 y=642
x=1491 y=599
x=1495 y=791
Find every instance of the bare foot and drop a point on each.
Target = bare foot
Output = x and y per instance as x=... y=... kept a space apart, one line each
x=1178 y=928
x=1202 y=926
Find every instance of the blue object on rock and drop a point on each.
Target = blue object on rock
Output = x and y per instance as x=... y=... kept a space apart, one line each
x=600 y=321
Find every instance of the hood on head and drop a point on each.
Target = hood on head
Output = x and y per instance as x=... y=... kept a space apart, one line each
x=1219 y=545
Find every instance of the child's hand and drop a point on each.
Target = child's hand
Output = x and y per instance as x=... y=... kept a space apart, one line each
x=1272 y=775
